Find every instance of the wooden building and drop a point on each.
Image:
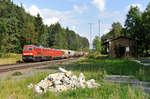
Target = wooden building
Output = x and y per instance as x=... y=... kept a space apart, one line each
x=124 y=46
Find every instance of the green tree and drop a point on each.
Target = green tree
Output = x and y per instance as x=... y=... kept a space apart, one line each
x=133 y=22
x=97 y=44
x=29 y=35
x=116 y=29
x=113 y=33
x=3 y=31
x=39 y=28
x=145 y=33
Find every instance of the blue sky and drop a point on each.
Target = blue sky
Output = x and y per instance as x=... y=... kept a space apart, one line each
x=76 y=14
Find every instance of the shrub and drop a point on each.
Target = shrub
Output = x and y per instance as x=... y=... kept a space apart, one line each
x=16 y=74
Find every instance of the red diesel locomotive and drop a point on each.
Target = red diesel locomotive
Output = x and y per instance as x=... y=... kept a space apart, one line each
x=39 y=53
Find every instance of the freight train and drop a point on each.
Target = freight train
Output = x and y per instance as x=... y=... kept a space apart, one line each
x=40 y=53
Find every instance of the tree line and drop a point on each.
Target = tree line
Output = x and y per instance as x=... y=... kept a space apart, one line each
x=137 y=27
x=18 y=28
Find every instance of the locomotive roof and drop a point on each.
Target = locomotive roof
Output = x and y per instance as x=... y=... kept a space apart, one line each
x=42 y=47
x=38 y=46
x=31 y=45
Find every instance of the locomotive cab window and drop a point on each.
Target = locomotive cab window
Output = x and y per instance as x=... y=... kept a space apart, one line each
x=30 y=49
x=25 y=49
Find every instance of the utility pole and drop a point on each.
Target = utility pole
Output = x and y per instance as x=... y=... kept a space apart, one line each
x=90 y=33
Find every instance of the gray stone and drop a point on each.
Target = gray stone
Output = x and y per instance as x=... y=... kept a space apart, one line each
x=62 y=70
x=82 y=80
x=30 y=86
x=91 y=84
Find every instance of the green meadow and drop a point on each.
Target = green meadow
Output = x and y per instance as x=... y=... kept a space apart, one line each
x=92 y=68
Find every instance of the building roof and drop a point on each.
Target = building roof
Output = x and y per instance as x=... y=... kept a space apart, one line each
x=122 y=37
x=117 y=39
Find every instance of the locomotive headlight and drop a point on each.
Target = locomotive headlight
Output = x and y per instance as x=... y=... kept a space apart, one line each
x=31 y=54
x=25 y=53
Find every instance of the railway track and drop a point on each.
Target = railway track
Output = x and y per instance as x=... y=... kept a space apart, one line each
x=12 y=67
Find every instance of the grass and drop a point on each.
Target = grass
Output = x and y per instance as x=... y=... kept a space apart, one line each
x=17 y=89
x=106 y=91
x=92 y=68
x=12 y=89
x=16 y=74
x=111 y=67
x=10 y=58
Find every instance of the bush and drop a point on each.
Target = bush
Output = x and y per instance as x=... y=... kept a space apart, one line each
x=95 y=55
x=16 y=74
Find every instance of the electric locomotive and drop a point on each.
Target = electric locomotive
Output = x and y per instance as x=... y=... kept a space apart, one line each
x=40 y=53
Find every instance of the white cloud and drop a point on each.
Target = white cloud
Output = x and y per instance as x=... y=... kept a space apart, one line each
x=115 y=16
x=74 y=28
x=80 y=9
x=66 y=18
x=135 y=5
x=109 y=14
x=106 y=31
x=33 y=10
x=100 y=4
x=50 y=21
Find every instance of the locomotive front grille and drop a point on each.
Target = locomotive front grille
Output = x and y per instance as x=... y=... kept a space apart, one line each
x=27 y=57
